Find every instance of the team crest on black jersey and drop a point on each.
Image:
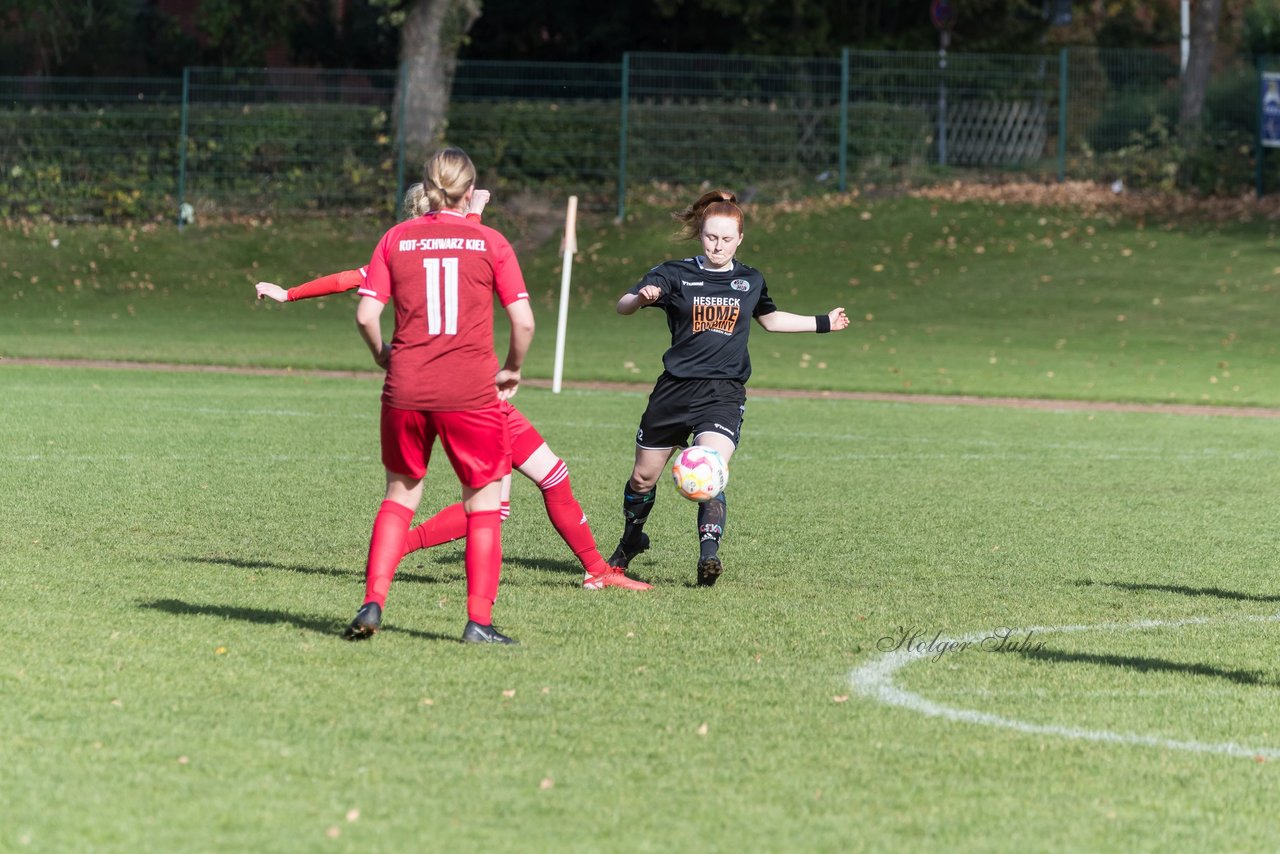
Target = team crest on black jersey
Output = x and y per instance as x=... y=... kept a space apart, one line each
x=740 y=285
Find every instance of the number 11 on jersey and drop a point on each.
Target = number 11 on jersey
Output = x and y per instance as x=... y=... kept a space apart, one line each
x=442 y=308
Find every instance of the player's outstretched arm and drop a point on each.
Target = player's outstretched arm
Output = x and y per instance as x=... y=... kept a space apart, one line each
x=631 y=303
x=267 y=290
x=334 y=283
x=785 y=321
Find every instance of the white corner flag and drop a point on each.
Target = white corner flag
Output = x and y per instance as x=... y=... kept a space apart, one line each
x=570 y=249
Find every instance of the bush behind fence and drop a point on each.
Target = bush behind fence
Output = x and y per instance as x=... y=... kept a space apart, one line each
x=273 y=141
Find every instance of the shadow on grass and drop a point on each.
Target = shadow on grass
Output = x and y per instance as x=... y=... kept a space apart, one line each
x=540 y=565
x=415 y=575
x=413 y=570
x=1216 y=592
x=1148 y=665
x=327 y=626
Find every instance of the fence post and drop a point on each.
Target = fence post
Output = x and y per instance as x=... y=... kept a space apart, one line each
x=1260 y=69
x=182 y=147
x=1062 y=115
x=622 y=136
x=401 y=78
x=943 y=38
x=844 y=119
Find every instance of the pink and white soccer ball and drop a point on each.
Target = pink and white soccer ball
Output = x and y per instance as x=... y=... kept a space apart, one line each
x=700 y=473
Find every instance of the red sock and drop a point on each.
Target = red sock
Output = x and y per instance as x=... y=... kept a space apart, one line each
x=386 y=546
x=446 y=526
x=484 y=564
x=566 y=515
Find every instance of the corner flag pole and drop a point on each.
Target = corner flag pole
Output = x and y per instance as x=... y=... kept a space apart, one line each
x=570 y=249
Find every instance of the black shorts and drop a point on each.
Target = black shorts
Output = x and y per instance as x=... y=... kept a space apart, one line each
x=680 y=408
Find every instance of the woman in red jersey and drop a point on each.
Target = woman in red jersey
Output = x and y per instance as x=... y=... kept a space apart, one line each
x=530 y=454
x=443 y=380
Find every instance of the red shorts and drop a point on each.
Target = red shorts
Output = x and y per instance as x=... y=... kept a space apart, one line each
x=524 y=438
x=475 y=440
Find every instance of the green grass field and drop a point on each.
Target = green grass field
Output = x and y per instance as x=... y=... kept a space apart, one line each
x=181 y=550
x=951 y=299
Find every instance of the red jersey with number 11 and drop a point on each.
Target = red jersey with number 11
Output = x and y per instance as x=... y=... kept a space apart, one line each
x=442 y=270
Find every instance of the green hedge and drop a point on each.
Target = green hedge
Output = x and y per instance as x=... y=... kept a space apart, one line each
x=112 y=163
x=120 y=158
x=557 y=143
x=745 y=142
x=1134 y=139
x=124 y=163
x=265 y=157
x=889 y=134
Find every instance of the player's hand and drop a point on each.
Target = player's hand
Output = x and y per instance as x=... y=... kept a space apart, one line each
x=479 y=199
x=266 y=290
x=649 y=294
x=839 y=320
x=507 y=382
x=384 y=356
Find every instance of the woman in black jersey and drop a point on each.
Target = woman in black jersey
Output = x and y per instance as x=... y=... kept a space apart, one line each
x=709 y=300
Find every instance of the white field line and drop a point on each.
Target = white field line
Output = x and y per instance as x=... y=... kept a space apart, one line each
x=643 y=388
x=875 y=680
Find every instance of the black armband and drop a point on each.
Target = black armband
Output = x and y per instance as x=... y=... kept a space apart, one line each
x=824 y=323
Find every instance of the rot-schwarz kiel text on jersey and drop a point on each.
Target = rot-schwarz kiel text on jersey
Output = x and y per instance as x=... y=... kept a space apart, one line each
x=442 y=272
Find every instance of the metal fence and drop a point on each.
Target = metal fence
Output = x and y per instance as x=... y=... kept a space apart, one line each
x=259 y=141
x=539 y=124
x=974 y=110
x=287 y=139
x=729 y=120
x=88 y=148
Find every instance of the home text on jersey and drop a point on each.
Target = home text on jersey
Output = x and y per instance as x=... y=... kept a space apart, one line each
x=715 y=314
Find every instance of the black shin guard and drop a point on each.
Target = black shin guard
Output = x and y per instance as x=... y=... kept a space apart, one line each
x=711 y=519
x=635 y=511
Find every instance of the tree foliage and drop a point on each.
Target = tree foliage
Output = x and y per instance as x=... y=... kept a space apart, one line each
x=241 y=33
x=363 y=37
x=1261 y=27
x=574 y=30
x=88 y=37
x=63 y=36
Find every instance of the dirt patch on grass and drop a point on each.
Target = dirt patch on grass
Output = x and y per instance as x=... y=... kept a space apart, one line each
x=1045 y=404
x=1097 y=199
x=532 y=219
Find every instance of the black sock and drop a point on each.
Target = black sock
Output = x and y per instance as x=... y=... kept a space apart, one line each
x=635 y=510
x=711 y=519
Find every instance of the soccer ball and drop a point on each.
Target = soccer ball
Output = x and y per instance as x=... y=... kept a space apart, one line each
x=700 y=473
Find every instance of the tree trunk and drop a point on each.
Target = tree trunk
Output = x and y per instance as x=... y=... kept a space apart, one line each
x=1195 y=80
x=433 y=31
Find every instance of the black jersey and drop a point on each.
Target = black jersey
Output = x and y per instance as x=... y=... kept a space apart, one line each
x=709 y=313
